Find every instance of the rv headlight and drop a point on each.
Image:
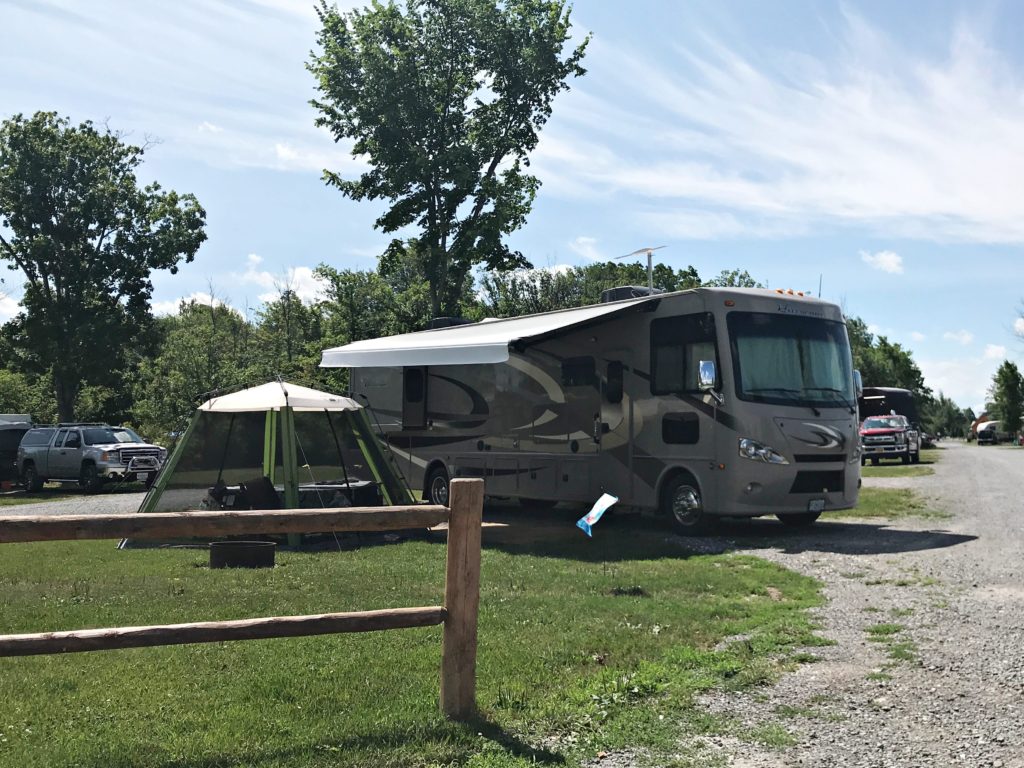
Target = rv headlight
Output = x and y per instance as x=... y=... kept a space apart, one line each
x=755 y=451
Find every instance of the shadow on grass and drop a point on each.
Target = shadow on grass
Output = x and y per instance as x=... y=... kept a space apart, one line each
x=382 y=744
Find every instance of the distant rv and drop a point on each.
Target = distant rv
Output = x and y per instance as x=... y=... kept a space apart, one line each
x=698 y=404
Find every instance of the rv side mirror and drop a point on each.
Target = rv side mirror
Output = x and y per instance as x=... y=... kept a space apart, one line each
x=706 y=375
x=858 y=384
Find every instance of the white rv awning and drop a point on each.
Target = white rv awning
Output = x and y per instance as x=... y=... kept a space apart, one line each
x=483 y=342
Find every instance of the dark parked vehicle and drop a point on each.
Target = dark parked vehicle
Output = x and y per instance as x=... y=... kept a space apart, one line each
x=10 y=437
x=87 y=455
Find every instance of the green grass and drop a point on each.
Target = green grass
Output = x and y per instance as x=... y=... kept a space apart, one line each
x=888 y=503
x=567 y=665
x=896 y=470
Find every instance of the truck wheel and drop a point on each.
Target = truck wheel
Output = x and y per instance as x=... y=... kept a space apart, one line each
x=799 y=519
x=905 y=458
x=681 y=501
x=33 y=482
x=863 y=460
x=436 y=488
x=915 y=457
x=874 y=461
x=90 y=478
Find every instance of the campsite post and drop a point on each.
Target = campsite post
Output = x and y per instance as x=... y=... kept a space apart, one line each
x=461 y=599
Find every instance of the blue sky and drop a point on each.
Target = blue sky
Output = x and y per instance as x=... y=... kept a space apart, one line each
x=876 y=145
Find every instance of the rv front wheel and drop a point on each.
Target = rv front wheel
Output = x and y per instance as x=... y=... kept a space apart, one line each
x=437 y=487
x=681 y=501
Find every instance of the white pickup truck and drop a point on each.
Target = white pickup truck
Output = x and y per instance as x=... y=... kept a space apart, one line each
x=87 y=455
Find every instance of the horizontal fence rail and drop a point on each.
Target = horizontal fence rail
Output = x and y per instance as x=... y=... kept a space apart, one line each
x=162 y=525
x=458 y=615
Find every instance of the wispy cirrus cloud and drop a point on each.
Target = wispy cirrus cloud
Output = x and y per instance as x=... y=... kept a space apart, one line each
x=995 y=352
x=586 y=247
x=882 y=137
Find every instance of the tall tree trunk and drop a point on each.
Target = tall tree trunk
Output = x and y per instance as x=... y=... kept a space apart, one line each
x=65 y=389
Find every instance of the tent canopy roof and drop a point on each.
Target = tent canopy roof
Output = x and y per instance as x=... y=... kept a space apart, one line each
x=484 y=342
x=276 y=395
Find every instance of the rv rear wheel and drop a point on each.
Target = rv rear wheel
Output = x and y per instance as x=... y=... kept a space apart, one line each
x=798 y=519
x=436 y=488
x=681 y=501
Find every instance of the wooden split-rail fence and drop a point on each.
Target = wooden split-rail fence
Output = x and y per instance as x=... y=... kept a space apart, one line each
x=458 y=614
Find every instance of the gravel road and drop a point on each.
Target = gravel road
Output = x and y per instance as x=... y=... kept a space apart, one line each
x=954 y=589
x=82 y=503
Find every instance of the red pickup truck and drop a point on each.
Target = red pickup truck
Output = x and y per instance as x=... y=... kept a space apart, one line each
x=889 y=436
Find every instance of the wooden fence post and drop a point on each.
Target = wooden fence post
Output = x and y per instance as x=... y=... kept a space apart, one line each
x=461 y=599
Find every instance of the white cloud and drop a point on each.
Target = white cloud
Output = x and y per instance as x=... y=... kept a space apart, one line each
x=1018 y=326
x=8 y=308
x=995 y=352
x=208 y=127
x=172 y=307
x=886 y=261
x=301 y=280
x=917 y=336
x=964 y=380
x=254 y=259
x=960 y=337
x=882 y=136
x=586 y=247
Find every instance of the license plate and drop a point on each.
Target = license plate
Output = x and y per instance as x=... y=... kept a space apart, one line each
x=141 y=475
x=816 y=505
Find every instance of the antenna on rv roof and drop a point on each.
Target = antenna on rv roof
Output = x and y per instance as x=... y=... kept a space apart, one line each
x=650 y=268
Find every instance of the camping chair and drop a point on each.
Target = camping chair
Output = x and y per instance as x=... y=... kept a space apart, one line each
x=260 y=493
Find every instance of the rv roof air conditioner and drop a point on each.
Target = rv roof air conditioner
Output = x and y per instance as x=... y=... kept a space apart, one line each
x=628 y=292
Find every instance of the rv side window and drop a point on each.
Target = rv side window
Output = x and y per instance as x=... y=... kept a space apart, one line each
x=579 y=372
x=678 y=344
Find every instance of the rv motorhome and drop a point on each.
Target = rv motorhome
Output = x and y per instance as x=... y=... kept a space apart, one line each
x=705 y=403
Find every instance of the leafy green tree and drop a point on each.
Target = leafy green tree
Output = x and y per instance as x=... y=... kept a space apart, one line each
x=86 y=236
x=444 y=99
x=205 y=347
x=734 y=278
x=1008 y=396
x=526 y=292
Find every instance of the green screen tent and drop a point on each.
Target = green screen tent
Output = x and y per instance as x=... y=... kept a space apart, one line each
x=313 y=448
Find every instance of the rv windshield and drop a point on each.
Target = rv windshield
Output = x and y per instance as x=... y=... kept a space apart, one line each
x=790 y=360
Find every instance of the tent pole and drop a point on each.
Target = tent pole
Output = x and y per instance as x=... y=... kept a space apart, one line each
x=270 y=445
x=149 y=503
x=290 y=462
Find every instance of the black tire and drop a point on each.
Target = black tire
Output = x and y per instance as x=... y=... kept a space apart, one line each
x=874 y=461
x=150 y=479
x=863 y=460
x=90 y=478
x=435 y=490
x=682 y=503
x=905 y=458
x=915 y=457
x=30 y=478
x=799 y=519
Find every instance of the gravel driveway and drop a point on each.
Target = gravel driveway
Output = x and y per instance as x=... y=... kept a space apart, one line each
x=951 y=591
x=82 y=503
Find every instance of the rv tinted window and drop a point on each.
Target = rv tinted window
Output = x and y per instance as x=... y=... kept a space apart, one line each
x=579 y=372
x=678 y=344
